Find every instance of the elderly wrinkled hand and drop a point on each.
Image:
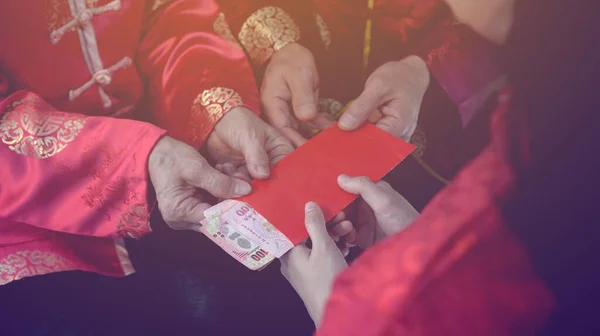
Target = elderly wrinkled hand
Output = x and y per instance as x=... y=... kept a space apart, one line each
x=290 y=92
x=396 y=89
x=178 y=173
x=248 y=143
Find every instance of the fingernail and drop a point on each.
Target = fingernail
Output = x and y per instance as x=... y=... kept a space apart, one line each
x=306 y=111
x=347 y=121
x=310 y=206
x=343 y=178
x=262 y=170
x=242 y=189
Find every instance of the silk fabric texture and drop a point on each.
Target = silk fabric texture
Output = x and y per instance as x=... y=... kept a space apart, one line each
x=74 y=75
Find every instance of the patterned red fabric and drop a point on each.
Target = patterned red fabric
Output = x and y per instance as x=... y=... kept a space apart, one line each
x=74 y=173
x=458 y=270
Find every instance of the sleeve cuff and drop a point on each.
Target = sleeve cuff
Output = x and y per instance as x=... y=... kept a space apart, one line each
x=266 y=31
x=463 y=65
x=208 y=108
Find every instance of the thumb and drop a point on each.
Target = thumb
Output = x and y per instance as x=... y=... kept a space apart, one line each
x=194 y=214
x=361 y=109
x=373 y=195
x=315 y=225
x=257 y=158
x=216 y=183
x=304 y=99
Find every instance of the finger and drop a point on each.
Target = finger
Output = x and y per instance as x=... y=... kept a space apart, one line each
x=193 y=213
x=243 y=174
x=315 y=225
x=294 y=136
x=321 y=122
x=257 y=158
x=339 y=217
x=302 y=85
x=372 y=194
x=341 y=229
x=205 y=177
x=361 y=109
x=227 y=169
x=278 y=146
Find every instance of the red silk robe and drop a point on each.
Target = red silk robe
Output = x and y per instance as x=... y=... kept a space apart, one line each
x=351 y=38
x=73 y=74
x=458 y=270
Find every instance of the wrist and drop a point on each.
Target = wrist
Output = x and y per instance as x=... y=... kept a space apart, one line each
x=160 y=155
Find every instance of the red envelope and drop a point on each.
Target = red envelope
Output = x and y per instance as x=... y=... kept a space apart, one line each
x=310 y=174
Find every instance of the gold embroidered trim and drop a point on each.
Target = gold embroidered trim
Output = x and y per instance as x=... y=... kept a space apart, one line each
x=331 y=107
x=266 y=31
x=216 y=102
x=28 y=263
x=222 y=28
x=29 y=132
x=418 y=139
x=159 y=3
x=324 y=31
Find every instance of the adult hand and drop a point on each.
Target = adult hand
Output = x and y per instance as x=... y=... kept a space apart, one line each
x=382 y=211
x=311 y=271
x=396 y=89
x=290 y=93
x=244 y=140
x=178 y=173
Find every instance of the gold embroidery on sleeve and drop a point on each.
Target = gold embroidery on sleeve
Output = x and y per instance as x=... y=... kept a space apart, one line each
x=22 y=264
x=214 y=102
x=221 y=27
x=266 y=31
x=29 y=132
x=324 y=31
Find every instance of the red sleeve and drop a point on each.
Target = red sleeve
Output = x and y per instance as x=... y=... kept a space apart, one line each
x=194 y=75
x=265 y=26
x=72 y=173
x=461 y=61
x=458 y=270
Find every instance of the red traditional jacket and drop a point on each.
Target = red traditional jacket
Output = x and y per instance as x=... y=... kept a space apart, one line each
x=351 y=38
x=73 y=74
x=458 y=270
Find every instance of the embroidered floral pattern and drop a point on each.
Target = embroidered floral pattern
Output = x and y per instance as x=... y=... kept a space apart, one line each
x=135 y=222
x=29 y=132
x=216 y=102
x=418 y=139
x=266 y=31
x=323 y=31
x=330 y=107
x=222 y=28
x=28 y=263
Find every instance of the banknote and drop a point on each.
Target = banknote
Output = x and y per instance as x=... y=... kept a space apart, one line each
x=247 y=252
x=252 y=225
